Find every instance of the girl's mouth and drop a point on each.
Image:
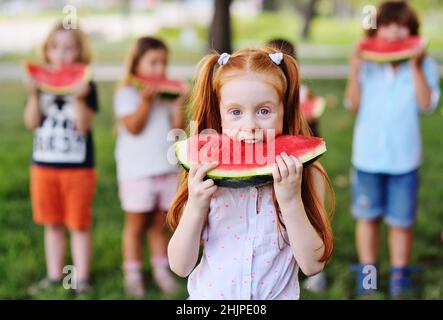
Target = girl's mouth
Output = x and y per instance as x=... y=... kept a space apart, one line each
x=251 y=141
x=251 y=137
x=257 y=136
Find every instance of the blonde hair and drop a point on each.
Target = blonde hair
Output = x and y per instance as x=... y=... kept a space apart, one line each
x=81 y=40
x=286 y=80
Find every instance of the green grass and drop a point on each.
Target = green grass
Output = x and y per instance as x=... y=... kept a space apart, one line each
x=21 y=241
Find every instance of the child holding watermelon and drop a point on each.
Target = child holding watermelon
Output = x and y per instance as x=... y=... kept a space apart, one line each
x=147 y=181
x=388 y=99
x=255 y=238
x=63 y=177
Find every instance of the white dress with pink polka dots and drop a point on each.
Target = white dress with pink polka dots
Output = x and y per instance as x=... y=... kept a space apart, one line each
x=244 y=257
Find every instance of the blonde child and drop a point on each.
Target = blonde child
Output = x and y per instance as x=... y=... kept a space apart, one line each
x=63 y=177
x=255 y=239
x=147 y=181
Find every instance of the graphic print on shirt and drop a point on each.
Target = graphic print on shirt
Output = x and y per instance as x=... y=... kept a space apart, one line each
x=56 y=140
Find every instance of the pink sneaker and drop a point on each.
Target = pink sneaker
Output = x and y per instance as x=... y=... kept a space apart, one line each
x=133 y=279
x=163 y=277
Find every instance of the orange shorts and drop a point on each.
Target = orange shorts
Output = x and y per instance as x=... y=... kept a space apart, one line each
x=63 y=196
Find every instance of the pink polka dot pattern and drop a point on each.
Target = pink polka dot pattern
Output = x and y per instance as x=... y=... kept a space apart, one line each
x=241 y=256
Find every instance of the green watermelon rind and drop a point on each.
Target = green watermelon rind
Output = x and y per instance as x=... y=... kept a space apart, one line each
x=383 y=57
x=244 y=178
x=59 y=89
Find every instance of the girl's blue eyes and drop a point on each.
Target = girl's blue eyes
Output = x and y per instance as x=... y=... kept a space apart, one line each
x=261 y=112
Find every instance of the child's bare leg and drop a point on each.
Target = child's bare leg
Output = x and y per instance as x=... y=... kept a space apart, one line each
x=133 y=235
x=158 y=236
x=158 y=239
x=55 y=249
x=81 y=253
x=400 y=246
x=367 y=239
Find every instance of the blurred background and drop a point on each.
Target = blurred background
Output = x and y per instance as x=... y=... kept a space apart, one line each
x=323 y=30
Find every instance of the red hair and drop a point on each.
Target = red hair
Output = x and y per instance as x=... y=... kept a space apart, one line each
x=206 y=112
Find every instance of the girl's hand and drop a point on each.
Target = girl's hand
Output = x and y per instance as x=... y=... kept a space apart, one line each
x=418 y=56
x=81 y=91
x=200 y=191
x=287 y=174
x=31 y=86
x=355 y=60
x=148 y=92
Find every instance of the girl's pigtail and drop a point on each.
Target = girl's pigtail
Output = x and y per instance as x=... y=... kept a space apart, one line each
x=204 y=98
x=205 y=110
x=294 y=122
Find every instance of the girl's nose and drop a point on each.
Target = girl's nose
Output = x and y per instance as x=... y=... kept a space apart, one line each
x=249 y=124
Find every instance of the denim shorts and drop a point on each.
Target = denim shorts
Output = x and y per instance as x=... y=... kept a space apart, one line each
x=391 y=196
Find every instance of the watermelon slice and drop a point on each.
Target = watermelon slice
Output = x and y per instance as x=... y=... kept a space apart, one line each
x=313 y=108
x=169 y=89
x=379 y=50
x=62 y=80
x=245 y=164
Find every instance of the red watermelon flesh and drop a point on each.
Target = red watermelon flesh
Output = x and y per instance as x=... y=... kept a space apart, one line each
x=378 y=49
x=313 y=108
x=245 y=164
x=61 y=80
x=168 y=88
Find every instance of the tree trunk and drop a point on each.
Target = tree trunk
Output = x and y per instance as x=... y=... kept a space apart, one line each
x=270 y=5
x=220 y=30
x=309 y=14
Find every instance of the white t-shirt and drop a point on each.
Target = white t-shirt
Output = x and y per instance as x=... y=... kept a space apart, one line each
x=143 y=154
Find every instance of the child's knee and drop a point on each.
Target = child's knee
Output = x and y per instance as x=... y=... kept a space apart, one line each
x=55 y=227
x=375 y=222
x=136 y=224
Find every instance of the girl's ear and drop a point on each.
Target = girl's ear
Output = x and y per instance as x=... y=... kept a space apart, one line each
x=205 y=102
x=292 y=119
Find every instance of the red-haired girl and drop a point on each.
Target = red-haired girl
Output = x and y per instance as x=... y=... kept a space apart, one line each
x=241 y=229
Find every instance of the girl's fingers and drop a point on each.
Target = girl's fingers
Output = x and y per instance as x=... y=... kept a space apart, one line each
x=290 y=163
x=212 y=189
x=208 y=183
x=203 y=169
x=276 y=173
x=282 y=167
x=298 y=164
x=193 y=170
